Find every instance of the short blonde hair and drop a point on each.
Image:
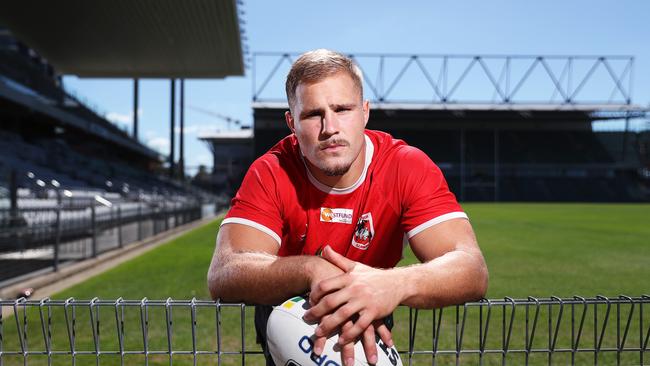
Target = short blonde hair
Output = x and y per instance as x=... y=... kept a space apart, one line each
x=316 y=65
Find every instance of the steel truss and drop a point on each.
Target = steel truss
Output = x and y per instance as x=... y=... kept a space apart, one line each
x=502 y=77
x=528 y=331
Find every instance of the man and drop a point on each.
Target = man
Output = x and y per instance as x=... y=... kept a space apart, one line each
x=327 y=209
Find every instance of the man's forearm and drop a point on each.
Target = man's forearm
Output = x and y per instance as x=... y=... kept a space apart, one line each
x=261 y=278
x=453 y=278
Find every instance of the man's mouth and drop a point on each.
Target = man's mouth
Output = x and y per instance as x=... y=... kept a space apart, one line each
x=332 y=146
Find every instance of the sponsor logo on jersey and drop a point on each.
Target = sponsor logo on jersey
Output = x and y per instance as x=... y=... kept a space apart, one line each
x=338 y=215
x=363 y=232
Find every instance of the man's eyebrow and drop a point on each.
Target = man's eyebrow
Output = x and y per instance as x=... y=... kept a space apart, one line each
x=319 y=111
x=310 y=112
x=343 y=105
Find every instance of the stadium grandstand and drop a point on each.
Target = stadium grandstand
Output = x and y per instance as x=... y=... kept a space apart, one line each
x=502 y=128
x=232 y=153
x=74 y=187
x=73 y=184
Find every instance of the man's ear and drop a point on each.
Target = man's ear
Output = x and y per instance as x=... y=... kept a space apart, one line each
x=290 y=122
x=366 y=112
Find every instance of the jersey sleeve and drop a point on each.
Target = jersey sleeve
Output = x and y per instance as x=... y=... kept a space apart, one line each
x=426 y=198
x=256 y=203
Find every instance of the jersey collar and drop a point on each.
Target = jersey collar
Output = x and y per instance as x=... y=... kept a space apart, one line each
x=370 y=149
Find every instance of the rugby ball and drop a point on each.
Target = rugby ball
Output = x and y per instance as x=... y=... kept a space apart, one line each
x=290 y=341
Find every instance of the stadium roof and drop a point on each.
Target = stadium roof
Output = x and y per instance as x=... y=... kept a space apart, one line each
x=123 y=38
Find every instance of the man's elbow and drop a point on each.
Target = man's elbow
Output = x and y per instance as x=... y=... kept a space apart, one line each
x=480 y=279
x=214 y=286
x=483 y=282
x=218 y=283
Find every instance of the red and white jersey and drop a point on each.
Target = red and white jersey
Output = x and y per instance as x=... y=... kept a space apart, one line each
x=401 y=191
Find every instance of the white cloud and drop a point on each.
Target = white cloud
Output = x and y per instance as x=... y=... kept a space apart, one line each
x=126 y=119
x=159 y=143
x=196 y=129
x=150 y=134
x=119 y=118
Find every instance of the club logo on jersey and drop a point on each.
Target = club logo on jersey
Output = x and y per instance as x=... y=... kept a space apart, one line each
x=364 y=232
x=339 y=215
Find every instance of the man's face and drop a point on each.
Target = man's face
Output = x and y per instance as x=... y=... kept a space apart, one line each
x=328 y=118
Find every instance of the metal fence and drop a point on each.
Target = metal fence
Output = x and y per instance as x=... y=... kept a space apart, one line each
x=36 y=238
x=532 y=331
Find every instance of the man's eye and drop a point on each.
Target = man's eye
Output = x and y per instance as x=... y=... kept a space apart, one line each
x=339 y=110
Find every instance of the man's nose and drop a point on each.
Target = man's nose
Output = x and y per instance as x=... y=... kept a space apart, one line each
x=330 y=123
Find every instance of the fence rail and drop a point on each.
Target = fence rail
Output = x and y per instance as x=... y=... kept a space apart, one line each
x=531 y=331
x=32 y=239
x=43 y=226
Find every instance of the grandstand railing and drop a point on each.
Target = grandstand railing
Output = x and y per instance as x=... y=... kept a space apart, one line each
x=492 y=79
x=44 y=226
x=531 y=331
x=74 y=232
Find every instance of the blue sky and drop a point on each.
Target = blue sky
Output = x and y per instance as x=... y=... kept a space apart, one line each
x=550 y=27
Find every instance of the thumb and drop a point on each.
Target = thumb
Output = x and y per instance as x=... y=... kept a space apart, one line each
x=338 y=260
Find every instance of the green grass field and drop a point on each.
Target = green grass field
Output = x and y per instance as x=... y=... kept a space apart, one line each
x=531 y=250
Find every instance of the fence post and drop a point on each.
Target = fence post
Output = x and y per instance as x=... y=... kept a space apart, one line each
x=139 y=221
x=172 y=215
x=176 y=215
x=119 y=227
x=93 y=219
x=155 y=217
x=165 y=215
x=57 y=241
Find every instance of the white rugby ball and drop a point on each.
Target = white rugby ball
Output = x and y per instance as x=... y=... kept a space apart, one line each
x=290 y=341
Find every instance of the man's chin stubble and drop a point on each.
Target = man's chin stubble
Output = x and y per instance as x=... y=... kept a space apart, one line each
x=336 y=172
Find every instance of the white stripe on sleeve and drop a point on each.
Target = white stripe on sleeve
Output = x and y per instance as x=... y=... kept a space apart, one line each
x=442 y=218
x=258 y=226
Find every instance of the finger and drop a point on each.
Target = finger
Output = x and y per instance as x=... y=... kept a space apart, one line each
x=347 y=350
x=369 y=345
x=338 y=260
x=326 y=297
x=385 y=334
x=357 y=329
x=347 y=354
x=319 y=345
x=331 y=322
x=325 y=287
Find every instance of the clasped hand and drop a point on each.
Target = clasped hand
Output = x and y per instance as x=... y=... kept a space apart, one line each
x=355 y=302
